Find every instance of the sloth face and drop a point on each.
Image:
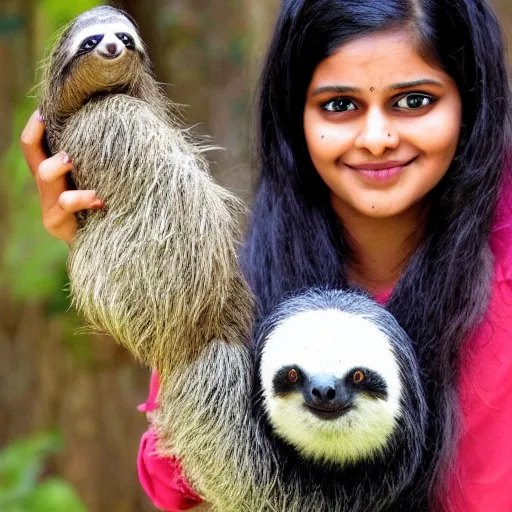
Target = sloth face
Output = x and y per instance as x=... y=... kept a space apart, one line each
x=101 y=53
x=325 y=395
x=105 y=41
x=331 y=385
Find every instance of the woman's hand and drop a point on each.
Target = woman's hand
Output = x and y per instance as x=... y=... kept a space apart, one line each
x=58 y=204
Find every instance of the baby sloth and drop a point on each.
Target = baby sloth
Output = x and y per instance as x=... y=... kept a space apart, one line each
x=157 y=269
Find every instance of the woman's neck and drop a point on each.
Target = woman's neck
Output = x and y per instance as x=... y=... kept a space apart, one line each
x=381 y=247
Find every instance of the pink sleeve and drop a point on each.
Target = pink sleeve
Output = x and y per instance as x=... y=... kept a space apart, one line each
x=162 y=477
x=151 y=404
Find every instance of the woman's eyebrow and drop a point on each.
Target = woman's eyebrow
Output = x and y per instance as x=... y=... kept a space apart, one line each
x=402 y=85
x=334 y=88
x=414 y=83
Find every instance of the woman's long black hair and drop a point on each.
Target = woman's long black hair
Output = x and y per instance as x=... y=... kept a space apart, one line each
x=295 y=241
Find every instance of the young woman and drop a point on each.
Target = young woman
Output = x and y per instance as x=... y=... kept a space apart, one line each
x=383 y=133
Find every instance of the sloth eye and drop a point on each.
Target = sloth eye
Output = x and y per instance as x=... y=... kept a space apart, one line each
x=358 y=377
x=126 y=39
x=293 y=376
x=90 y=43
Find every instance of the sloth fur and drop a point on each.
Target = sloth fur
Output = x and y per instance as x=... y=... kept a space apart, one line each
x=158 y=271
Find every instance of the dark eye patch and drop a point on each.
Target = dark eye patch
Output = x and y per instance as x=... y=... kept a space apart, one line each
x=126 y=39
x=287 y=379
x=372 y=384
x=89 y=44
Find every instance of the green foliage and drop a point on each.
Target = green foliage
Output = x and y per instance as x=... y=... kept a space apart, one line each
x=21 y=487
x=33 y=263
x=60 y=12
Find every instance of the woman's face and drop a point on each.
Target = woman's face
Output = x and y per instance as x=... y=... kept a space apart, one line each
x=381 y=125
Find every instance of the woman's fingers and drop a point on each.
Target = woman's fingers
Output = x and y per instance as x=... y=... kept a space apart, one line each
x=49 y=173
x=32 y=143
x=51 y=179
x=59 y=218
x=58 y=204
x=73 y=201
x=57 y=166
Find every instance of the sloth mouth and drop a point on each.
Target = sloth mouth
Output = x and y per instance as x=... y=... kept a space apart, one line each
x=329 y=414
x=109 y=56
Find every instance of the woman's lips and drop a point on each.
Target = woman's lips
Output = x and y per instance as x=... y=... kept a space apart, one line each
x=380 y=171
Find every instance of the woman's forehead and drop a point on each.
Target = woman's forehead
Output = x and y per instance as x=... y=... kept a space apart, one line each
x=378 y=61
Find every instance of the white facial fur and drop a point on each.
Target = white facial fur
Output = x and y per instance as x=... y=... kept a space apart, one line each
x=331 y=342
x=109 y=30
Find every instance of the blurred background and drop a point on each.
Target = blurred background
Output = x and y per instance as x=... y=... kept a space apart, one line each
x=69 y=428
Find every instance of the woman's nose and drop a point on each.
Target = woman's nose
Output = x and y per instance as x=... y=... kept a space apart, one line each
x=378 y=134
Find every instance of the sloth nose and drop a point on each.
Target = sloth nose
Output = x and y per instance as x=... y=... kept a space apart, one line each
x=323 y=393
x=111 y=48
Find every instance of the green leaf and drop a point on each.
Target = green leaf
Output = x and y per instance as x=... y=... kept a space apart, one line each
x=54 y=495
x=21 y=464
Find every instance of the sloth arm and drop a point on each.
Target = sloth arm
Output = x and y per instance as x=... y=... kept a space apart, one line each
x=166 y=264
x=206 y=419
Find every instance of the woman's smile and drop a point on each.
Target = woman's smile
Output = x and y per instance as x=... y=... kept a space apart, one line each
x=380 y=172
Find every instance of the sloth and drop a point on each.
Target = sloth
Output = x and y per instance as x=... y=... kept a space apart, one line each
x=320 y=407
x=335 y=394
x=340 y=394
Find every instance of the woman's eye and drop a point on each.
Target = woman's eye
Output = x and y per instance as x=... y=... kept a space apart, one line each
x=414 y=101
x=339 y=105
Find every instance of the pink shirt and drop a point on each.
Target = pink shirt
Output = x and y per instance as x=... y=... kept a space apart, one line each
x=482 y=479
